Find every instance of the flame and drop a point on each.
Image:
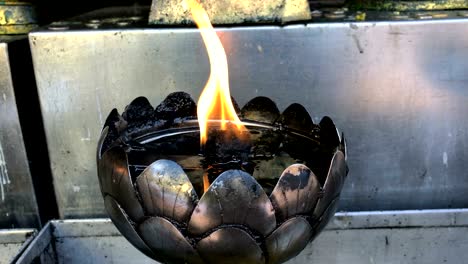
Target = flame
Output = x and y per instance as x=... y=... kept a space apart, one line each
x=215 y=99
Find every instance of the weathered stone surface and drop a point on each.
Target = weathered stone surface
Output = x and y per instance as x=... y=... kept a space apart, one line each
x=231 y=11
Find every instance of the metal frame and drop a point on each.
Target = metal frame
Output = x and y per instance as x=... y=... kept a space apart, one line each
x=13 y=242
x=427 y=236
x=397 y=90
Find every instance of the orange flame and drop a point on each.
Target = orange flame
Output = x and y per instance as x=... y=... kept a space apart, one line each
x=215 y=99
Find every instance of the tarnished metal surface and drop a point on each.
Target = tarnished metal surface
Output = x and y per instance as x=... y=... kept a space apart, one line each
x=162 y=190
x=233 y=220
x=392 y=237
x=293 y=201
x=234 y=198
x=116 y=182
x=13 y=242
x=398 y=89
x=288 y=240
x=18 y=206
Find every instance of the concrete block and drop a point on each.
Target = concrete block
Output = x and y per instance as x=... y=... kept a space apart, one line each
x=176 y=12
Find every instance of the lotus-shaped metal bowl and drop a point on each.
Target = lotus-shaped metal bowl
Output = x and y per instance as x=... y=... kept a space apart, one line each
x=235 y=221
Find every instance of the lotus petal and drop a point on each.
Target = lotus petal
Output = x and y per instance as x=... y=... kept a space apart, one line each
x=328 y=133
x=167 y=242
x=112 y=118
x=233 y=198
x=261 y=109
x=139 y=109
x=115 y=180
x=111 y=134
x=342 y=147
x=296 y=192
x=230 y=246
x=288 y=240
x=123 y=224
x=166 y=191
x=333 y=184
x=178 y=104
x=296 y=117
x=323 y=220
x=103 y=136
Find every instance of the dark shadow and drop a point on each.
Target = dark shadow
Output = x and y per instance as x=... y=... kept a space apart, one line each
x=29 y=112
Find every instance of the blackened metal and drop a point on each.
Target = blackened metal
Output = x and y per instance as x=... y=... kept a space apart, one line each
x=226 y=150
x=138 y=110
x=178 y=104
x=273 y=187
x=296 y=117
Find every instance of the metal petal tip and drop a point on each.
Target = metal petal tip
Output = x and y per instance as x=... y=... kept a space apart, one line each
x=110 y=132
x=296 y=192
x=230 y=246
x=234 y=197
x=166 y=191
x=178 y=104
x=140 y=108
x=288 y=240
x=103 y=136
x=296 y=117
x=121 y=221
x=111 y=119
x=328 y=133
x=114 y=179
x=333 y=184
x=261 y=109
x=343 y=147
x=166 y=241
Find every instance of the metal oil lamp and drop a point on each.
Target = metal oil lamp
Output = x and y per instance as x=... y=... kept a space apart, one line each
x=260 y=201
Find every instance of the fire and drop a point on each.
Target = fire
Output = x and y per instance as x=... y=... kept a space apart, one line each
x=215 y=100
